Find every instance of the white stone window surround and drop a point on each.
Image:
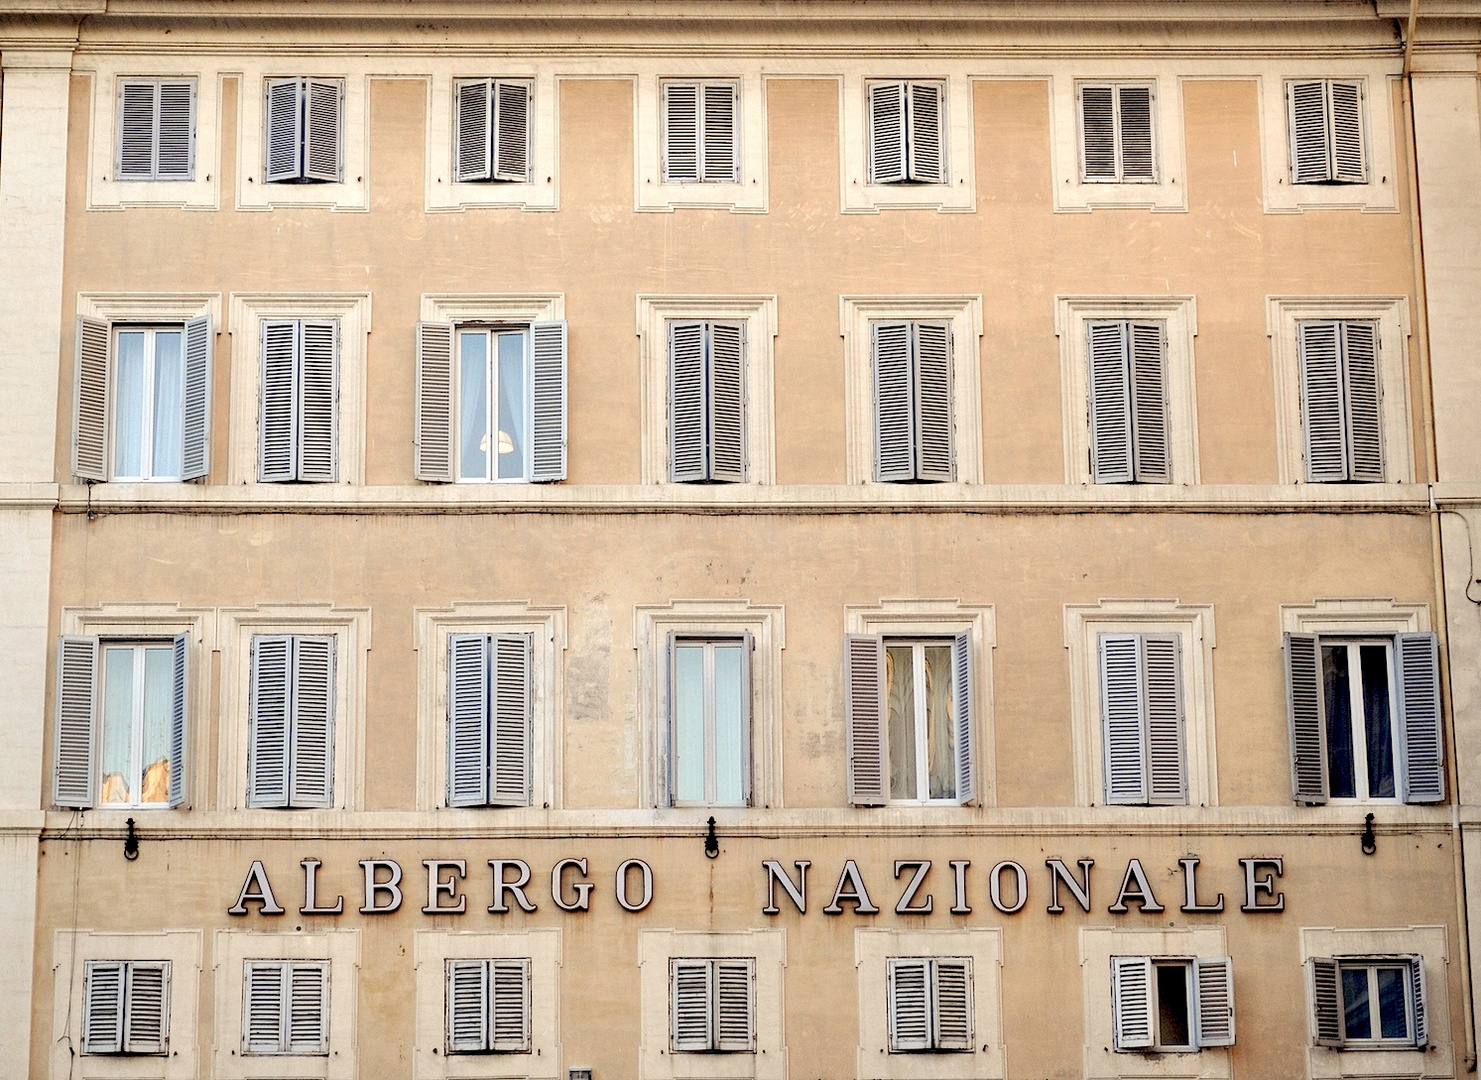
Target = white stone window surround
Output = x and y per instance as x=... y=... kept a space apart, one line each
x=964 y=313
x=353 y=192
x=247 y=310
x=759 y=313
x=351 y=630
x=232 y=949
x=432 y=949
x=1430 y=942
x=652 y=626
x=434 y=626
x=946 y=618
x=651 y=192
x=1169 y=193
x=542 y=191
x=1083 y=625
x=856 y=194
x=1354 y=616
x=71 y=951
x=655 y=1060
x=1180 y=314
x=1097 y=945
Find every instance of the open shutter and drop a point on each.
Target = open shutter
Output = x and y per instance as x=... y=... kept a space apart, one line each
x=1420 y=734
x=548 y=398
x=894 y=419
x=1097 y=134
x=195 y=418
x=90 y=401
x=735 y=1007
x=102 y=1007
x=137 y=110
x=1306 y=105
x=868 y=749
x=687 y=401
x=1364 y=400
x=1421 y=1004
x=509 y=1014
x=926 y=160
x=321 y=152
x=308 y=1008
x=961 y=690
x=267 y=752
x=468 y=720
x=474 y=132
x=318 y=387
x=691 y=1004
x=721 y=143
x=283 y=140
x=77 y=678
x=1122 y=709
x=1213 y=989
x=511 y=102
x=147 y=1008
x=934 y=457
x=1166 y=771
x=1326 y=1001
x=509 y=741
x=180 y=654
x=467 y=1006
x=311 y=772
x=1110 y=403
x=952 y=996
x=1346 y=104
x=886 y=133
x=1322 y=414
x=1131 y=1001
x=176 y=149
x=434 y=420
x=1152 y=457
x=277 y=457
x=727 y=402
x=909 y=1003
x=264 y=1027
x=1134 y=113
x=1306 y=715
x=680 y=132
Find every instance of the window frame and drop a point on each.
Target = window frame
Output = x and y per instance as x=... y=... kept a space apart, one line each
x=158 y=83
x=288 y=969
x=711 y=965
x=124 y=1012
x=914 y=437
x=489 y=1038
x=1358 y=733
x=493 y=84
x=1328 y=123
x=747 y=644
x=908 y=148
x=1371 y=964
x=492 y=333
x=1185 y=964
x=291 y=725
x=893 y=964
x=1115 y=86
x=737 y=125
x=1145 y=719
x=138 y=646
x=147 y=419
x=916 y=643
x=306 y=84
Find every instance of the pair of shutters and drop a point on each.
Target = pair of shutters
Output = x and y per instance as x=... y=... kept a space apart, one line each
x=92 y=412
x=488 y=1006
x=298 y=422
x=867 y=718
x=913 y=425
x=1128 y=402
x=1116 y=138
x=493 y=131
x=436 y=416
x=701 y=133
x=291 y=753
x=1134 y=1011
x=156 y=130
x=489 y=697
x=714 y=1005
x=1326 y=122
x=707 y=402
x=126 y=1007
x=930 y=1003
x=303 y=130
x=75 y=780
x=1329 y=1010
x=1421 y=756
x=905 y=133
x=1141 y=678
x=286 y=1007
x=1341 y=401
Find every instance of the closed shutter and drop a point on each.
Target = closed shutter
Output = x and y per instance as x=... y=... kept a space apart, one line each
x=1322 y=414
x=1421 y=1002
x=934 y=457
x=102 y=1007
x=318 y=388
x=909 y=1003
x=1131 y=1002
x=548 y=398
x=721 y=142
x=927 y=162
x=467 y=720
x=727 y=402
x=512 y=132
x=1162 y=667
x=175 y=158
x=509 y=1016
x=77 y=677
x=434 y=420
x=1152 y=458
x=137 y=111
x=1421 y=737
x=147 y=1007
x=180 y=654
x=509 y=741
x=735 y=1007
x=195 y=420
x=886 y=133
x=1134 y=113
x=1306 y=716
x=952 y=998
x=1306 y=105
x=311 y=770
x=1122 y=710
x=686 y=401
x=90 y=400
x=1110 y=403
x=264 y=1030
x=680 y=133
x=868 y=763
x=321 y=152
x=691 y=1004
x=308 y=1008
x=277 y=456
x=474 y=131
x=1213 y=989
x=1326 y=1001
x=894 y=414
x=269 y=721
x=1364 y=400
x=961 y=658
x=467 y=1006
x=1348 y=165
x=1097 y=134
x=283 y=140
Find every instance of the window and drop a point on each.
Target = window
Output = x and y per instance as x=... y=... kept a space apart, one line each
x=493 y=130
x=1364 y=714
x=1175 y=1005
x=930 y=1003
x=156 y=129
x=303 y=119
x=1128 y=402
x=1326 y=131
x=1117 y=143
x=1368 y=1004
x=1141 y=685
x=489 y=719
x=1341 y=400
x=906 y=122
x=290 y=756
x=120 y=718
x=701 y=132
x=298 y=422
x=913 y=423
x=126 y=1007
x=710 y=720
x=488 y=1006
x=713 y=1005
x=491 y=402
x=707 y=401
x=142 y=401
x=286 y=1007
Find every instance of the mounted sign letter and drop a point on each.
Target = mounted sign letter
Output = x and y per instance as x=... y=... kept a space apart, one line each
x=1059 y=872
x=373 y=888
x=436 y=887
x=851 y=888
x=257 y=888
x=311 y=892
x=583 y=888
x=622 y=895
x=1135 y=887
x=774 y=874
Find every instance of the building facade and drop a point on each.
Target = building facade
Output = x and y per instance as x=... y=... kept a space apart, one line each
x=727 y=540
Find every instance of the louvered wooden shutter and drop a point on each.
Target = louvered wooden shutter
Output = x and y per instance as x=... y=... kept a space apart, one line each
x=175 y=155
x=90 y=400
x=952 y=1000
x=76 y=711
x=1122 y=711
x=511 y=149
x=1134 y=131
x=548 y=398
x=195 y=419
x=277 y=454
x=961 y=658
x=180 y=654
x=886 y=133
x=868 y=748
x=322 y=125
x=1421 y=1001
x=269 y=721
x=1110 y=403
x=147 y=1007
x=1322 y=415
x=721 y=142
x=102 y=1007
x=509 y=740
x=1326 y=1001
x=727 y=402
x=264 y=1030
x=927 y=162
x=1306 y=716
x=1213 y=989
x=681 y=133
x=468 y=720
x=686 y=401
x=474 y=131
x=934 y=453
x=1166 y=768
x=691 y=1004
x=318 y=425
x=1152 y=456
x=1131 y=1002
x=1346 y=113
x=1420 y=732
x=311 y=768
x=434 y=419
x=509 y=1014
x=467 y=1006
x=1097 y=134
x=1306 y=104
x=284 y=140
x=1364 y=400
x=894 y=413
x=308 y=1008
x=735 y=1006
x=137 y=112
x=909 y=1003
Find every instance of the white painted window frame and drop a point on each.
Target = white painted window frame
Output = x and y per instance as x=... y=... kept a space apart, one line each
x=650 y=191
x=1072 y=194
x=1380 y=141
x=542 y=192
x=352 y=193
x=857 y=195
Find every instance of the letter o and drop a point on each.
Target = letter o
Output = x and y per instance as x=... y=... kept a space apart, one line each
x=647 y=872
x=995 y=886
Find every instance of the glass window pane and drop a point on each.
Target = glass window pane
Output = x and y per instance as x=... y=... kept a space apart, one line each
x=940 y=745
x=1340 y=773
x=1393 y=1013
x=1173 y=1028
x=473 y=399
x=169 y=388
x=128 y=406
x=511 y=406
x=689 y=723
x=899 y=666
x=154 y=741
x=1355 y=1002
x=118 y=725
x=1377 y=723
x=730 y=729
